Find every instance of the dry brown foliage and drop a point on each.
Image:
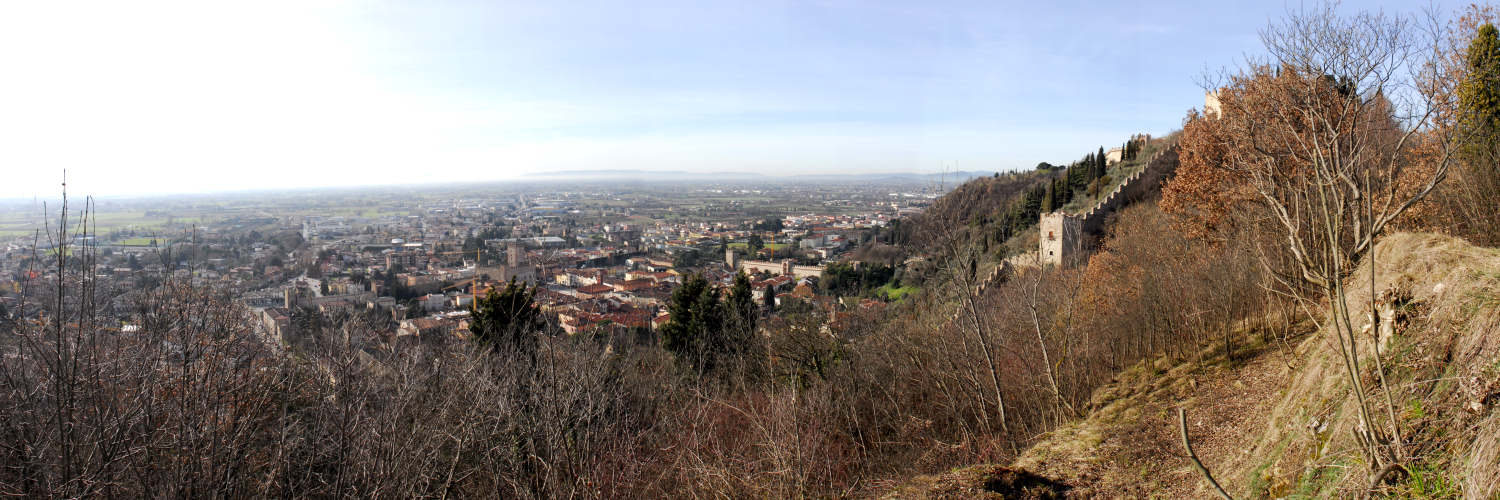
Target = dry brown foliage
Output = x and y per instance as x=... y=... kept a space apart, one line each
x=1201 y=196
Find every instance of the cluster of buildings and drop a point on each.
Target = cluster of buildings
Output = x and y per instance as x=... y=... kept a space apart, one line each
x=414 y=269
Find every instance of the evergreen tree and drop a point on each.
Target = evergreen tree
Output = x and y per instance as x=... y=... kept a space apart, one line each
x=711 y=336
x=695 y=331
x=743 y=350
x=742 y=311
x=507 y=321
x=1473 y=198
x=1479 y=93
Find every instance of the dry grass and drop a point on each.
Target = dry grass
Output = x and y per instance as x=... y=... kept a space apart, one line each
x=1277 y=423
x=1128 y=445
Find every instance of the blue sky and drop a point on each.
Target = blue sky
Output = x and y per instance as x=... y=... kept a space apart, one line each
x=160 y=97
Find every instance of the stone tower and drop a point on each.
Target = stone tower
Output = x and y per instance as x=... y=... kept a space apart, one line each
x=513 y=253
x=1212 y=107
x=1061 y=237
x=730 y=259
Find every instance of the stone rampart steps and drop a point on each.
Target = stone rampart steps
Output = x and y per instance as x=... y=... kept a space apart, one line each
x=1028 y=259
x=1101 y=209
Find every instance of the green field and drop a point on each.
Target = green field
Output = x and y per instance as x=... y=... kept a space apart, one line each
x=895 y=293
x=21 y=224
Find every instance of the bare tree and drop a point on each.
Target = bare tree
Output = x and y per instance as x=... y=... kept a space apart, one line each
x=1049 y=365
x=964 y=270
x=1325 y=129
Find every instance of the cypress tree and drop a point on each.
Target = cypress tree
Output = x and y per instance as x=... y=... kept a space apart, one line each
x=1479 y=93
x=1103 y=163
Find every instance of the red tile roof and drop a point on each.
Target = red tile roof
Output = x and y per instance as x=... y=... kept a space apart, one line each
x=596 y=289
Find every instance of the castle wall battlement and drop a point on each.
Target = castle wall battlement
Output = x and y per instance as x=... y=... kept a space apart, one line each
x=1062 y=234
x=783 y=268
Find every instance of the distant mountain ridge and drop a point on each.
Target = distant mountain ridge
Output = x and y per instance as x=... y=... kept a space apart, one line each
x=685 y=175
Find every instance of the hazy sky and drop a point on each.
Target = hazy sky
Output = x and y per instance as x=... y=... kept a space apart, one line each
x=145 y=97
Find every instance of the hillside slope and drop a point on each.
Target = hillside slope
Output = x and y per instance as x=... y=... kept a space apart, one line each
x=1276 y=421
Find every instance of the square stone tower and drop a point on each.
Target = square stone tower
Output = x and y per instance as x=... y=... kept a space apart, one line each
x=1212 y=107
x=1061 y=238
x=513 y=254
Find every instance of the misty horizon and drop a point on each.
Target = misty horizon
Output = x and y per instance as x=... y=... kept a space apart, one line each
x=160 y=98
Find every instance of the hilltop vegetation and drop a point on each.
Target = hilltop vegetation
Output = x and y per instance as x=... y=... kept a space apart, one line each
x=1275 y=420
x=994 y=213
x=1369 y=365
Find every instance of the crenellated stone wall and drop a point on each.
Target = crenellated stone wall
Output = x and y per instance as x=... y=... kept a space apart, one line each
x=786 y=267
x=1062 y=234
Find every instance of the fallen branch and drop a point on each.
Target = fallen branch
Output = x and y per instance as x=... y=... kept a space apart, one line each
x=1186 y=443
x=1380 y=476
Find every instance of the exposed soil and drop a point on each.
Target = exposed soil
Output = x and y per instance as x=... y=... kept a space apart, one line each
x=983 y=481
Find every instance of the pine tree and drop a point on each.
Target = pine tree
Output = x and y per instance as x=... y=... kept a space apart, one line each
x=742 y=348
x=507 y=321
x=695 y=332
x=741 y=303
